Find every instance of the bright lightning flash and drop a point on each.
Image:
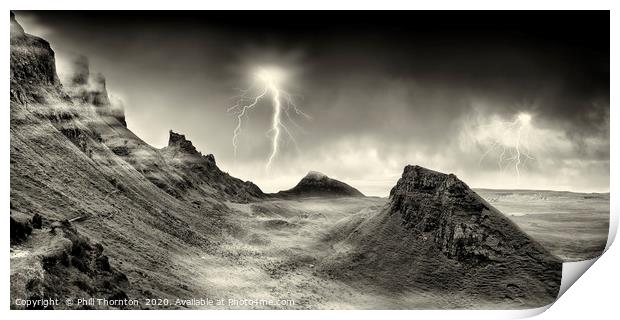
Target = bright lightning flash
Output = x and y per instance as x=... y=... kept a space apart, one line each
x=267 y=82
x=511 y=141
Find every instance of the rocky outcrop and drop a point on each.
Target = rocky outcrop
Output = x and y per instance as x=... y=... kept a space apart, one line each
x=98 y=94
x=438 y=236
x=20 y=228
x=179 y=169
x=180 y=148
x=34 y=78
x=90 y=88
x=464 y=226
x=178 y=142
x=80 y=71
x=198 y=169
x=60 y=254
x=33 y=68
x=316 y=184
x=86 y=87
x=116 y=110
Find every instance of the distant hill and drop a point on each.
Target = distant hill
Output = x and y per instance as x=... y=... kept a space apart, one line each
x=316 y=184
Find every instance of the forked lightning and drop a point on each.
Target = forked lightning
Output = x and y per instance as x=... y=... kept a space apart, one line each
x=267 y=83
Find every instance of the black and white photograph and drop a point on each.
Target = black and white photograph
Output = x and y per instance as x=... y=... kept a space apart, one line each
x=305 y=160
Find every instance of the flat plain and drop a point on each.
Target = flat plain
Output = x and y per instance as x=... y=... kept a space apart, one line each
x=572 y=226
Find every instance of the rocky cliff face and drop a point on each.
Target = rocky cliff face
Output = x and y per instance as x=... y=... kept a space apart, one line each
x=201 y=169
x=178 y=142
x=460 y=222
x=316 y=184
x=80 y=71
x=179 y=169
x=86 y=87
x=89 y=88
x=33 y=68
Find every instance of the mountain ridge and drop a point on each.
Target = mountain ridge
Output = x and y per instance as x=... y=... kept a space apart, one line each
x=436 y=233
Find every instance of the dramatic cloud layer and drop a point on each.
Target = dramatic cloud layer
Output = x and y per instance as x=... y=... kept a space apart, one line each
x=383 y=89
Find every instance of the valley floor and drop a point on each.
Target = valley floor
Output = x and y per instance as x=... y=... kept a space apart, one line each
x=275 y=251
x=271 y=253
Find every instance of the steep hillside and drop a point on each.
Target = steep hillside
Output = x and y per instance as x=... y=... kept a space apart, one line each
x=74 y=162
x=316 y=184
x=438 y=236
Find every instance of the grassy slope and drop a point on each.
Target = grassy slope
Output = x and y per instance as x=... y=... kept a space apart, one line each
x=380 y=252
x=140 y=225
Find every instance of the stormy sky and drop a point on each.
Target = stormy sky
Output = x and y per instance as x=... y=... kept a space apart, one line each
x=501 y=99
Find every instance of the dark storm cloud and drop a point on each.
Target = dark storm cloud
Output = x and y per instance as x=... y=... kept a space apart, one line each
x=388 y=81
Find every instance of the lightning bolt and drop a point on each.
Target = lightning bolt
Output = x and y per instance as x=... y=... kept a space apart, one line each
x=275 y=124
x=512 y=144
x=266 y=83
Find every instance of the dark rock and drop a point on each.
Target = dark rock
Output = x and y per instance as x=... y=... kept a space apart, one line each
x=37 y=221
x=198 y=169
x=120 y=150
x=80 y=262
x=103 y=263
x=20 y=230
x=177 y=140
x=33 y=67
x=464 y=226
x=278 y=224
x=210 y=158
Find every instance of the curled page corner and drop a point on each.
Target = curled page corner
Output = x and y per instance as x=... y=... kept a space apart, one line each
x=572 y=271
x=531 y=312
